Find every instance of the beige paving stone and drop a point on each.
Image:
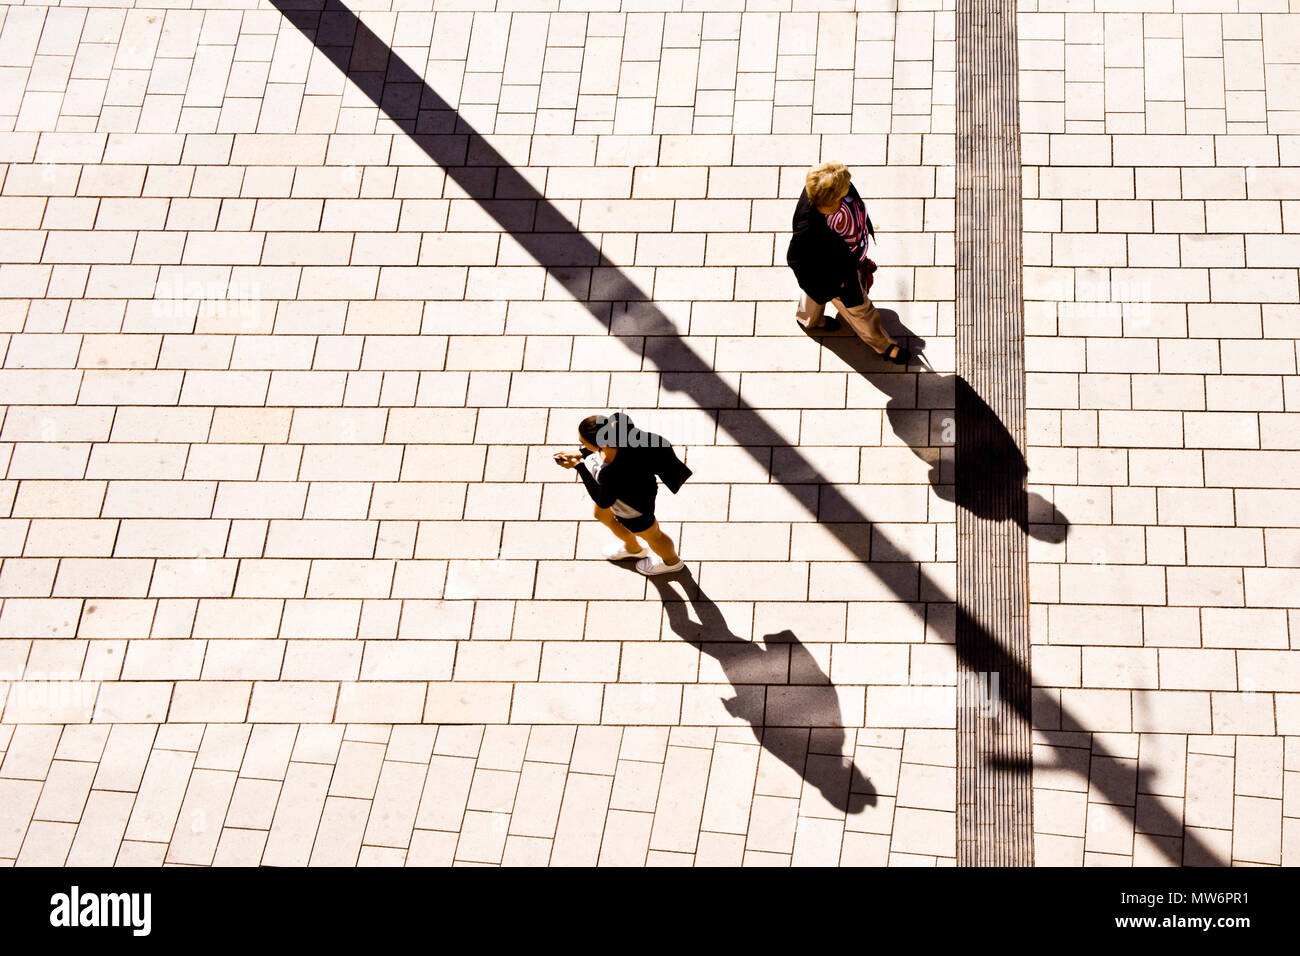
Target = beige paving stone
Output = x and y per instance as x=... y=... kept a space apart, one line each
x=626 y=839
x=729 y=794
x=643 y=703
x=82 y=742
x=1289 y=838
x=553 y=744
x=63 y=799
x=411 y=743
x=1110 y=829
x=1245 y=713
x=381 y=701
x=1209 y=791
x=297 y=814
x=772 y=825
x=927 y=787
x=924 y=831
x=201 y=816
x=446 y=789
x=718 y=849
x=339 y=838
x=582 y=813
x=1059 y=812
x=538 y=800
x=102 y=825
x=1258 y=766
x=162 y=789
x=493 y=790
x=864 y=849
x=240 y=847
x=680 y=799
x=46 y=844
x=356 y=774
x=252 y=804
x=20 y=801
x=381 y=856
x=1257 y=830
x=636 y=786
x=1163 y=759
x=125 y=757
x=29 y=752
x=141 y=854
x=396 y=803
x=526 y=851
x=292 y=702
x=431 y=848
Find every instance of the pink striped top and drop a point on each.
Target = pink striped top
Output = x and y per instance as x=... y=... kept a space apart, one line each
x=850 y=224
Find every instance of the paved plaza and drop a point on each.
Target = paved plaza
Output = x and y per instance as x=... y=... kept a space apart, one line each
x=294 y=314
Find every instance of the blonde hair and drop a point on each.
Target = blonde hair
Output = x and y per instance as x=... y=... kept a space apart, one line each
x=827 y=182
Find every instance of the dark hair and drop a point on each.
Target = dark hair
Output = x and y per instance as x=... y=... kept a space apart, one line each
x=589 y=428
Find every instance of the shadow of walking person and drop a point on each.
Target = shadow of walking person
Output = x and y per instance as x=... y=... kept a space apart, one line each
x=993 y=470
x=777 y=681
x=924 y=410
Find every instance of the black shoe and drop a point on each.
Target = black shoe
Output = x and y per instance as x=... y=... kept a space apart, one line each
x=897 y=354
x=832 y=324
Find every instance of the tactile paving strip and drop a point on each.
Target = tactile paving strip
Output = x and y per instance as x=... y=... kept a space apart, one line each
x=994 y=808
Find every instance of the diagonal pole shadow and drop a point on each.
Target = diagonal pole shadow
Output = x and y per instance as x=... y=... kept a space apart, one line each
x=478 y=169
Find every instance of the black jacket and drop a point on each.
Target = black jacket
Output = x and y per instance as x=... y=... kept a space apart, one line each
x=823 y=263
x=630 y=477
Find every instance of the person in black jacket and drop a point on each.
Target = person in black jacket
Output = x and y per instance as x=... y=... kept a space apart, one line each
x=828 y=253
x=618 y=466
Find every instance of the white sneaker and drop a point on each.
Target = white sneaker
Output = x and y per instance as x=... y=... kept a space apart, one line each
x=655 y=565
x=617 y=552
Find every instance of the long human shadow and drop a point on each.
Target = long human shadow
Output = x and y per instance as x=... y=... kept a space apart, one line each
x=574 y=262
x=753 y=672
x=993 y=464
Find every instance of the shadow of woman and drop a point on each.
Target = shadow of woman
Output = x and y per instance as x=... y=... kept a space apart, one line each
x=988 y=477
x=932 y=412
x=755 y=671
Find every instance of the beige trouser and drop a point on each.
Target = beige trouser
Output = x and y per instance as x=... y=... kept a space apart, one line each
x=864 y=319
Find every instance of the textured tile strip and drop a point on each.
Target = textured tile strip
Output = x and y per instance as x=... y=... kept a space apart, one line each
x=994 y=810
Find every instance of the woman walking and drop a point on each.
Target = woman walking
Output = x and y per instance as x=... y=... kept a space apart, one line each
x=828 y=254
x=618 y=465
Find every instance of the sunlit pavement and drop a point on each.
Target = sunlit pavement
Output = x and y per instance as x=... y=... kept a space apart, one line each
x=289 y=575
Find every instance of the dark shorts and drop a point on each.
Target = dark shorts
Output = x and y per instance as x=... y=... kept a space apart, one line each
x=638 y=524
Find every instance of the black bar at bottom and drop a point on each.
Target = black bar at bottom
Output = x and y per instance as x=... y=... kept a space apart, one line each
x=440 y=910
